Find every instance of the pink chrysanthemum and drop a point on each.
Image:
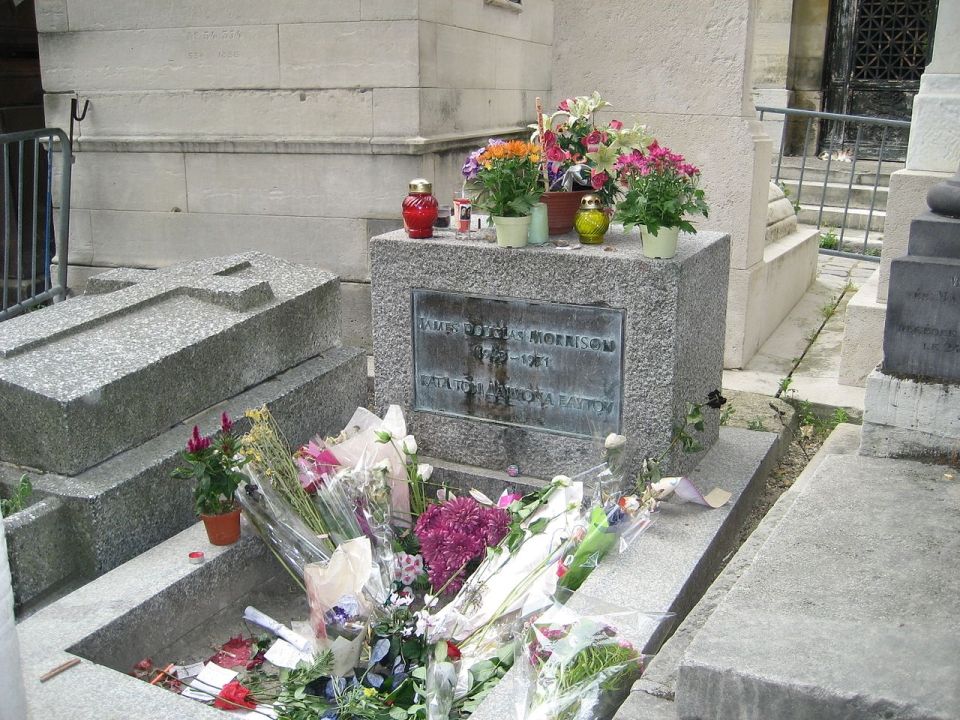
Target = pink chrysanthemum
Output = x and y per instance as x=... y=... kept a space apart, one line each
x=454 y=534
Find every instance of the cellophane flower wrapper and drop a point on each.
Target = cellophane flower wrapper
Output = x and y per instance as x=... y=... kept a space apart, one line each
x=287 y=536
x=441 y=682
x=576 y=666
x=608 y=525
x=350 y=573
x=508 y=585
x=357 y=446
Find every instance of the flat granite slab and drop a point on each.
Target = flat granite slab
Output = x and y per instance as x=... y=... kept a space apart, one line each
x=85 y=379
x=673 y=563
x=150 y=601
x=850 y=610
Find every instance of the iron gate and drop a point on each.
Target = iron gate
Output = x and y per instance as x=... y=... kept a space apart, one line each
x=26 y=218
x=876 y=52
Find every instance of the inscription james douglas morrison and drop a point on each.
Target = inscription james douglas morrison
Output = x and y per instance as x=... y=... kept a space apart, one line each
x=550 y=366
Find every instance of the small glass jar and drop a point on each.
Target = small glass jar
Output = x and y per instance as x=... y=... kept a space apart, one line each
x=443 y=217
x=419 y=209
x=591 y=221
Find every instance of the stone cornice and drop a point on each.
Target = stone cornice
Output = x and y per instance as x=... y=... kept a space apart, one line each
x=296 y=146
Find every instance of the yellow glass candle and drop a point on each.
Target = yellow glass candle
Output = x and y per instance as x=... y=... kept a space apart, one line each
x=591 y=221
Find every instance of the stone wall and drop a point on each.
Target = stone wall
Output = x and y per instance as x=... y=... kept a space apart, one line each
x=686 y=74
x=289 y=127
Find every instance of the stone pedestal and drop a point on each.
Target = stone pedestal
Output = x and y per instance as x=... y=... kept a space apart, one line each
x=531 y=356
x=912 y=405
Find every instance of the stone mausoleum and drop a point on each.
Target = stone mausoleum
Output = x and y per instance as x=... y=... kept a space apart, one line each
x=292 y=127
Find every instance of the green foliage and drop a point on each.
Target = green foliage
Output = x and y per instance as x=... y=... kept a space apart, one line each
x=756 y=424
x=787 y=194
x=816 y=424
x=484 y=676
x=214 y=465
x=661 y=199
x=18 y=500
x=829 y=239
x=727 y=413
x=295 y=701
x=508 y=184
x=682 y=437
x=784 y=386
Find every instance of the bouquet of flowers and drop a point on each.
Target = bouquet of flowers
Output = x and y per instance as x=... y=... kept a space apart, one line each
x=575 y=667
x=503 y=177
x=661 y=189
x=579 y=153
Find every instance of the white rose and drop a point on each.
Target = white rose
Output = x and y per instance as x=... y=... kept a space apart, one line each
x=410 y=445
x=561 y=481
x=424 y=470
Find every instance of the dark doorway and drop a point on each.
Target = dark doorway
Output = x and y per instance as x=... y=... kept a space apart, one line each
x=21 y=92
x=876 y=53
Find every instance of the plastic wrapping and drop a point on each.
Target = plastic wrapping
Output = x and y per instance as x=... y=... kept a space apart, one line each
x=441 y=683
x=287 y=536
x=575 y=666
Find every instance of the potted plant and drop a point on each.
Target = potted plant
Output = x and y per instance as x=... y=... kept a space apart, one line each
x=214 y=463
x=580 y=157
x=503 y=180
x=661 y=190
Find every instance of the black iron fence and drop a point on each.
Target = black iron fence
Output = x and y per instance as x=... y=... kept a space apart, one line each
x=840 y=189
x=27 y=163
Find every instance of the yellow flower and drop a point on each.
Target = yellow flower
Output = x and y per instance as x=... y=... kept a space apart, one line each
x=369 y=692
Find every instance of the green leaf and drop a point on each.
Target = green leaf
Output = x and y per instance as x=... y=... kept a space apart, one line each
x=419 y=672
x=538 y=526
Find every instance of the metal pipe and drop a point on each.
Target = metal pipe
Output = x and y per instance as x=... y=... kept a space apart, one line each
x=803 y=161
x=853 y=168
x=33 y=222
x=7 y=202
x=876 y=183
x=63 y=242
x=20 y=221
x=860 y=119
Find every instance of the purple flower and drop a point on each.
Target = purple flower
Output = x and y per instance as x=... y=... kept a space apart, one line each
x=197 y=443
x=456 y=533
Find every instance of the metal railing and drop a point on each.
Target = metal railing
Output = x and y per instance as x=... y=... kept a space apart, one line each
x=845 y=137
x=26 y=216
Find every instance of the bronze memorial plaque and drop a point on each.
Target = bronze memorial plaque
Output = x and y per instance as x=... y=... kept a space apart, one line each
x=548 y=366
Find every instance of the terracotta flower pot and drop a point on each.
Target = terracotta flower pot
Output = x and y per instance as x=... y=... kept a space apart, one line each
x=222 y=529
x=561 y=207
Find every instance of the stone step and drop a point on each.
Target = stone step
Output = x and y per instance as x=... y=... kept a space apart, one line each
x=836 y=194
x=854 y=218
x=865 y=171
x=848 y=609
x=853 y=239
x=660 y=679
